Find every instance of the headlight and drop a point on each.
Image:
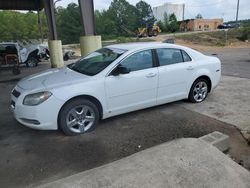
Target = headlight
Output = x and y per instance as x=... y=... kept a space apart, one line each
x=36 y=98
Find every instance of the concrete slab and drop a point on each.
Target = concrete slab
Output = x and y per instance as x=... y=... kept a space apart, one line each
x=30 y=157
x=179 y=163
x=218 y=140
x=229 y=103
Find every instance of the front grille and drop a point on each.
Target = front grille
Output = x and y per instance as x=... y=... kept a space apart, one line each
x=16 y=93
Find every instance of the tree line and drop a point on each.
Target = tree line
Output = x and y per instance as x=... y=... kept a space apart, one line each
x=16 y=25
x=120 y=19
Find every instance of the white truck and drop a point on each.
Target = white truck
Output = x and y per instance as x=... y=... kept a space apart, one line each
x=20 y=53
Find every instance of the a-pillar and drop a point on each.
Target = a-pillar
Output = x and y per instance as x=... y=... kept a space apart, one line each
x=90 y=42
x=55 y=46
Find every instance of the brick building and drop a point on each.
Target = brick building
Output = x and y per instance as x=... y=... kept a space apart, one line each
x=200 y=24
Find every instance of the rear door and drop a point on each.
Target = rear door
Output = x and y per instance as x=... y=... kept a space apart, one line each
x=135 y=90
x=175 y=70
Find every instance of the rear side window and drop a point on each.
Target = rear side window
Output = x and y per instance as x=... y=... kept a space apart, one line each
x=186 y=57
x=168 y=56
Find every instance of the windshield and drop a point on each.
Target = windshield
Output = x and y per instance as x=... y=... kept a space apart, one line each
x=96 y=61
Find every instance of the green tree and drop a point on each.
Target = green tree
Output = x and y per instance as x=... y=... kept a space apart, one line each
x=170 y=23
x=69 y=26
x=145 y=14
x=123 y=14
x=166 y=22
x=20 y=26
x=161 y=25
x=105 y=25
x=198 y=16
x=173 y=23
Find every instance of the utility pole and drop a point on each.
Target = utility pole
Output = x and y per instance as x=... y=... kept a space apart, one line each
x=237 y=12
x=183 y=12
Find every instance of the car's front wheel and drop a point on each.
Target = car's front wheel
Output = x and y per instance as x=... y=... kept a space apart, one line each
x=78 y=116
x=198 y=91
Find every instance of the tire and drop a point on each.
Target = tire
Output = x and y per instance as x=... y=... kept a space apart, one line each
x=31 y=62
x=72 y=117
x=16 y=70
x=198 y=91
x=155 y=33
x=66 y=57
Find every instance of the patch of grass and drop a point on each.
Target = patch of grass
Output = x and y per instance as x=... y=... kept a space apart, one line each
x=215 y=38
x=122 y=39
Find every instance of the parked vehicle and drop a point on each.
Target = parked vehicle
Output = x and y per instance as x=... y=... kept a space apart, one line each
x=169 y=40
x=30 y=55
x=148 y=31
x=113 y=80
x=68 y=54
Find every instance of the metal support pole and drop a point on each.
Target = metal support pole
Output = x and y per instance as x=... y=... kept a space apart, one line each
x=90 y=41
x=40 y=25
x=87 y=16
x=50 y=15
x=237 y=12
x=55 y=46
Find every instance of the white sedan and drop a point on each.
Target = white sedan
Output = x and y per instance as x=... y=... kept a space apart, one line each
x=113 y=80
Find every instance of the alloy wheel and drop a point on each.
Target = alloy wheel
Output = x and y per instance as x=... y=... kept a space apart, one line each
x=200 y=91
x=80 y=118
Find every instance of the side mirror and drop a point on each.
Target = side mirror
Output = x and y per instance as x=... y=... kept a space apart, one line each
x=120 y=70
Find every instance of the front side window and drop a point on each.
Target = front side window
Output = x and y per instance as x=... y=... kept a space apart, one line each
x=96 y=61
x=169 y=56
x=139 y=61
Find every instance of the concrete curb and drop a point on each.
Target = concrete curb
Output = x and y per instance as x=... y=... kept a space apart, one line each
x=180 y=163
x=218 y=140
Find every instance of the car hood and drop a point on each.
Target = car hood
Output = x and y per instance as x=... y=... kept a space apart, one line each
x=51 y=78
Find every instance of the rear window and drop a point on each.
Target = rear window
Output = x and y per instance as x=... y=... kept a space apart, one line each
x=186 y=57
x=168 y=56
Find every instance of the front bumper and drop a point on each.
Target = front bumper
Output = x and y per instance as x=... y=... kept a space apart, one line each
x=41 y=117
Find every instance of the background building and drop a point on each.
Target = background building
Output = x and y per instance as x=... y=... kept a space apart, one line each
x=200 y=24
x=169 y=8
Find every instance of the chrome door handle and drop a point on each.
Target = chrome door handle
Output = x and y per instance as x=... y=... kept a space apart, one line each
x=150 y=75
x=190 y=68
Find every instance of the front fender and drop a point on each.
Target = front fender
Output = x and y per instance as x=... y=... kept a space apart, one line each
x=68 y=92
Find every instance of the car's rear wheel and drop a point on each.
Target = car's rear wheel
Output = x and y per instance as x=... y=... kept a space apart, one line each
x=198 y=91
x=78 y=116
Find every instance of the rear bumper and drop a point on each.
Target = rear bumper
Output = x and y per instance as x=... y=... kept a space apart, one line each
x=216 y=80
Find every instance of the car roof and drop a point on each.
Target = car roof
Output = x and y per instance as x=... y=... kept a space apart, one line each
x=142 y=45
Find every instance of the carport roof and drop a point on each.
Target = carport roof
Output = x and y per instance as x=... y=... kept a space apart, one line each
x=21 y=4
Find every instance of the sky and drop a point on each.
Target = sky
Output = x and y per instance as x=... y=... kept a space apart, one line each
x=225 y=9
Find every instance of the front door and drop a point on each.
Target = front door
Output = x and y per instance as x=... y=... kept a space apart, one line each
x=136 y=89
